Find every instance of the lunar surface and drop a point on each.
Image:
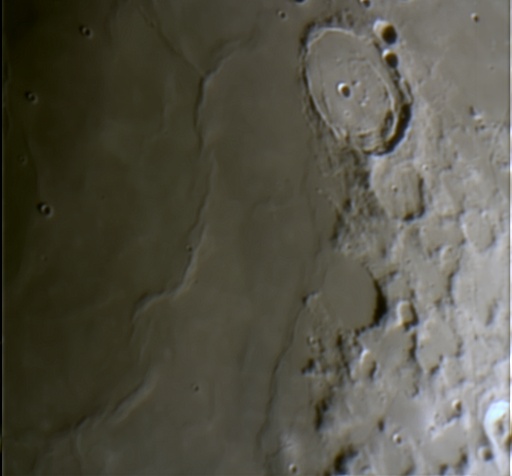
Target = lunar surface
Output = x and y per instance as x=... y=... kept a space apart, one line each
x=256 y=237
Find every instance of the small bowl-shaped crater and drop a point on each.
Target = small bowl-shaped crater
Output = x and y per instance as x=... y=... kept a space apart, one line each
x=385 y=31
x=485 y=453
x=390 y=58
x=344 y=89
x=31 y=97
x=45 y=209
x=86 y=31
x=457 y=406
x=389 y=34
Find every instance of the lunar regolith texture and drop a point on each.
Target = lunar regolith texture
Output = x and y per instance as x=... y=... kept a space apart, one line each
x=256 y=237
